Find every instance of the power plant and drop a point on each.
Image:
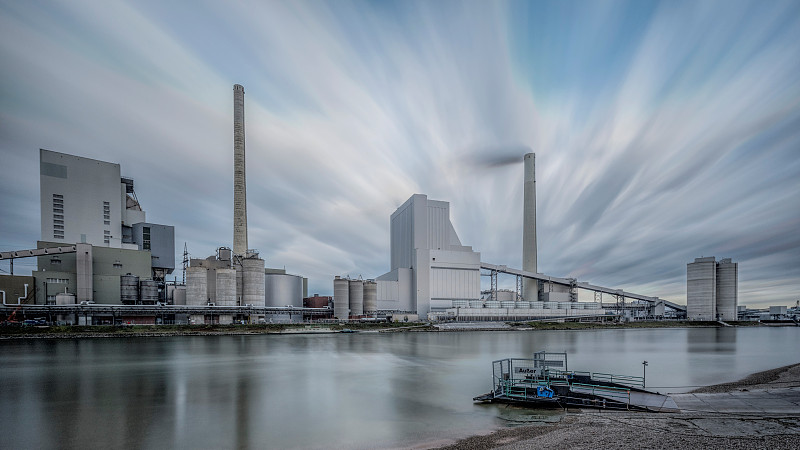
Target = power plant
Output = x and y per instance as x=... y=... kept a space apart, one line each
x=432 y=274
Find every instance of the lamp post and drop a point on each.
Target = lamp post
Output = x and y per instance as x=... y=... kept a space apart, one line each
x=644 y=373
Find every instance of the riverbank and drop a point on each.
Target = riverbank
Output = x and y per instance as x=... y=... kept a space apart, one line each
x=105 y=331
x=591 y=429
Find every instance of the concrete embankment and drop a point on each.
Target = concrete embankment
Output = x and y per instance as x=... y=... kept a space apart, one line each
x=759 y=411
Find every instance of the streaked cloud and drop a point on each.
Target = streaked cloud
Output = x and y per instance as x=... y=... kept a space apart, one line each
x=663 y=131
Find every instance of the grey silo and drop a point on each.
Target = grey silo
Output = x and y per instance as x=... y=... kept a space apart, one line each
x=128 y=289
x=225 y=287
x=239 y=174
x=148 y=289
x=530 y=289
x=370 y=296
x=341 y=298
x=253 y=281
x=196 y=286
x=356 y=297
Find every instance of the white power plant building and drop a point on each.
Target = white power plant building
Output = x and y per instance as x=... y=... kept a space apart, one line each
x=430 y=268
x=712 y=289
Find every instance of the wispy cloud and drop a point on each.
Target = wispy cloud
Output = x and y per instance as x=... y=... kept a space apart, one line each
x=663 y=131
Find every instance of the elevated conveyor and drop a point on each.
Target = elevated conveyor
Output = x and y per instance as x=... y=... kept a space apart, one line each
x=568 y=282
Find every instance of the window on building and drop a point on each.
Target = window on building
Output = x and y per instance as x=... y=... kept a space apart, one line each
x=54 y=260
x=58 y=221
x=106 y=222
x=58 y=280
x=56 y=234
x=58 y=216
x=58 y=227
x=145 y=238
x=58 y=210
x=58 y=196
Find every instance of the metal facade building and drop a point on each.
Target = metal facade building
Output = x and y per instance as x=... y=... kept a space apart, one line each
x=429 y=266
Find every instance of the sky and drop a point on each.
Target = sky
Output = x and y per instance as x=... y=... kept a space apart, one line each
x=663 y=131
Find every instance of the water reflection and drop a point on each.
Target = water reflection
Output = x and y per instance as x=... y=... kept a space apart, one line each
x=326 y=391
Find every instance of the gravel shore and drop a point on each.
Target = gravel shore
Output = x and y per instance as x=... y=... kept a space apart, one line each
x=590 y=429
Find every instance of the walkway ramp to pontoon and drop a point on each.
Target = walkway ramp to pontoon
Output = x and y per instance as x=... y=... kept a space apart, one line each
x=634 y=398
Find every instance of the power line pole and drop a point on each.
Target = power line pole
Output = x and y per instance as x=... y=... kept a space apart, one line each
x=185 y=263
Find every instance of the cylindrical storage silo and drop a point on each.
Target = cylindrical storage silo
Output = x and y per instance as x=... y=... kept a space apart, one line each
x=179 y=295
x=370 y=297
x=196 y=286
x=492 y=304
x=476 y=304
x=129 y=289
x=537 y=305
x=341 y=298
x=356 y=298
x=523 y=305
x=283 y=290
x=148 y=290
x=507 y=304
x=564 y=305
x=226 y=287
x=253 y=281
x=456 y=303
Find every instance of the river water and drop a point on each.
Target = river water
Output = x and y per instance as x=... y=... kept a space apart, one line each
x=327 y=391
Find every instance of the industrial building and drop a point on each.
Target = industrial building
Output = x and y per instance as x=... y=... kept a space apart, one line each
x=712 y=289
x=94 y=233
x=433 y=276
x=238 y=277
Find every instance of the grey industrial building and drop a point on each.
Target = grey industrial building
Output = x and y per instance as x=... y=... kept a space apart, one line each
x=87 y=203
x=712 y=289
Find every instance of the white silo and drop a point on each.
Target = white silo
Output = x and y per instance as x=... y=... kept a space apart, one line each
x=341 y=298
x=196 y=286
x=370 y=297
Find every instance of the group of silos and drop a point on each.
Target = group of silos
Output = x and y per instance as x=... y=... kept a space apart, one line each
x=133 y=291
x=354 y=297
x=222 y=282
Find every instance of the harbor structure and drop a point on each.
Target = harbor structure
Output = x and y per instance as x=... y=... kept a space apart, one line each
x=712 y=289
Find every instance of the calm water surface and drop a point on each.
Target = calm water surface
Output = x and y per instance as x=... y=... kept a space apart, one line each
x=327 y=391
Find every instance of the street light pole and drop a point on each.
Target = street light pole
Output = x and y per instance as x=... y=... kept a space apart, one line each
x=644 y=373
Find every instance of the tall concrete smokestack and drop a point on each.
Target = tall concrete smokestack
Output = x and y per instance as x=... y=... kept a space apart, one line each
x=529 y=286
x=239 y=178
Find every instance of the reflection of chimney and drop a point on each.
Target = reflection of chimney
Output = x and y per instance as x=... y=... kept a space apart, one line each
x=239 y=178
x=529 y=286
